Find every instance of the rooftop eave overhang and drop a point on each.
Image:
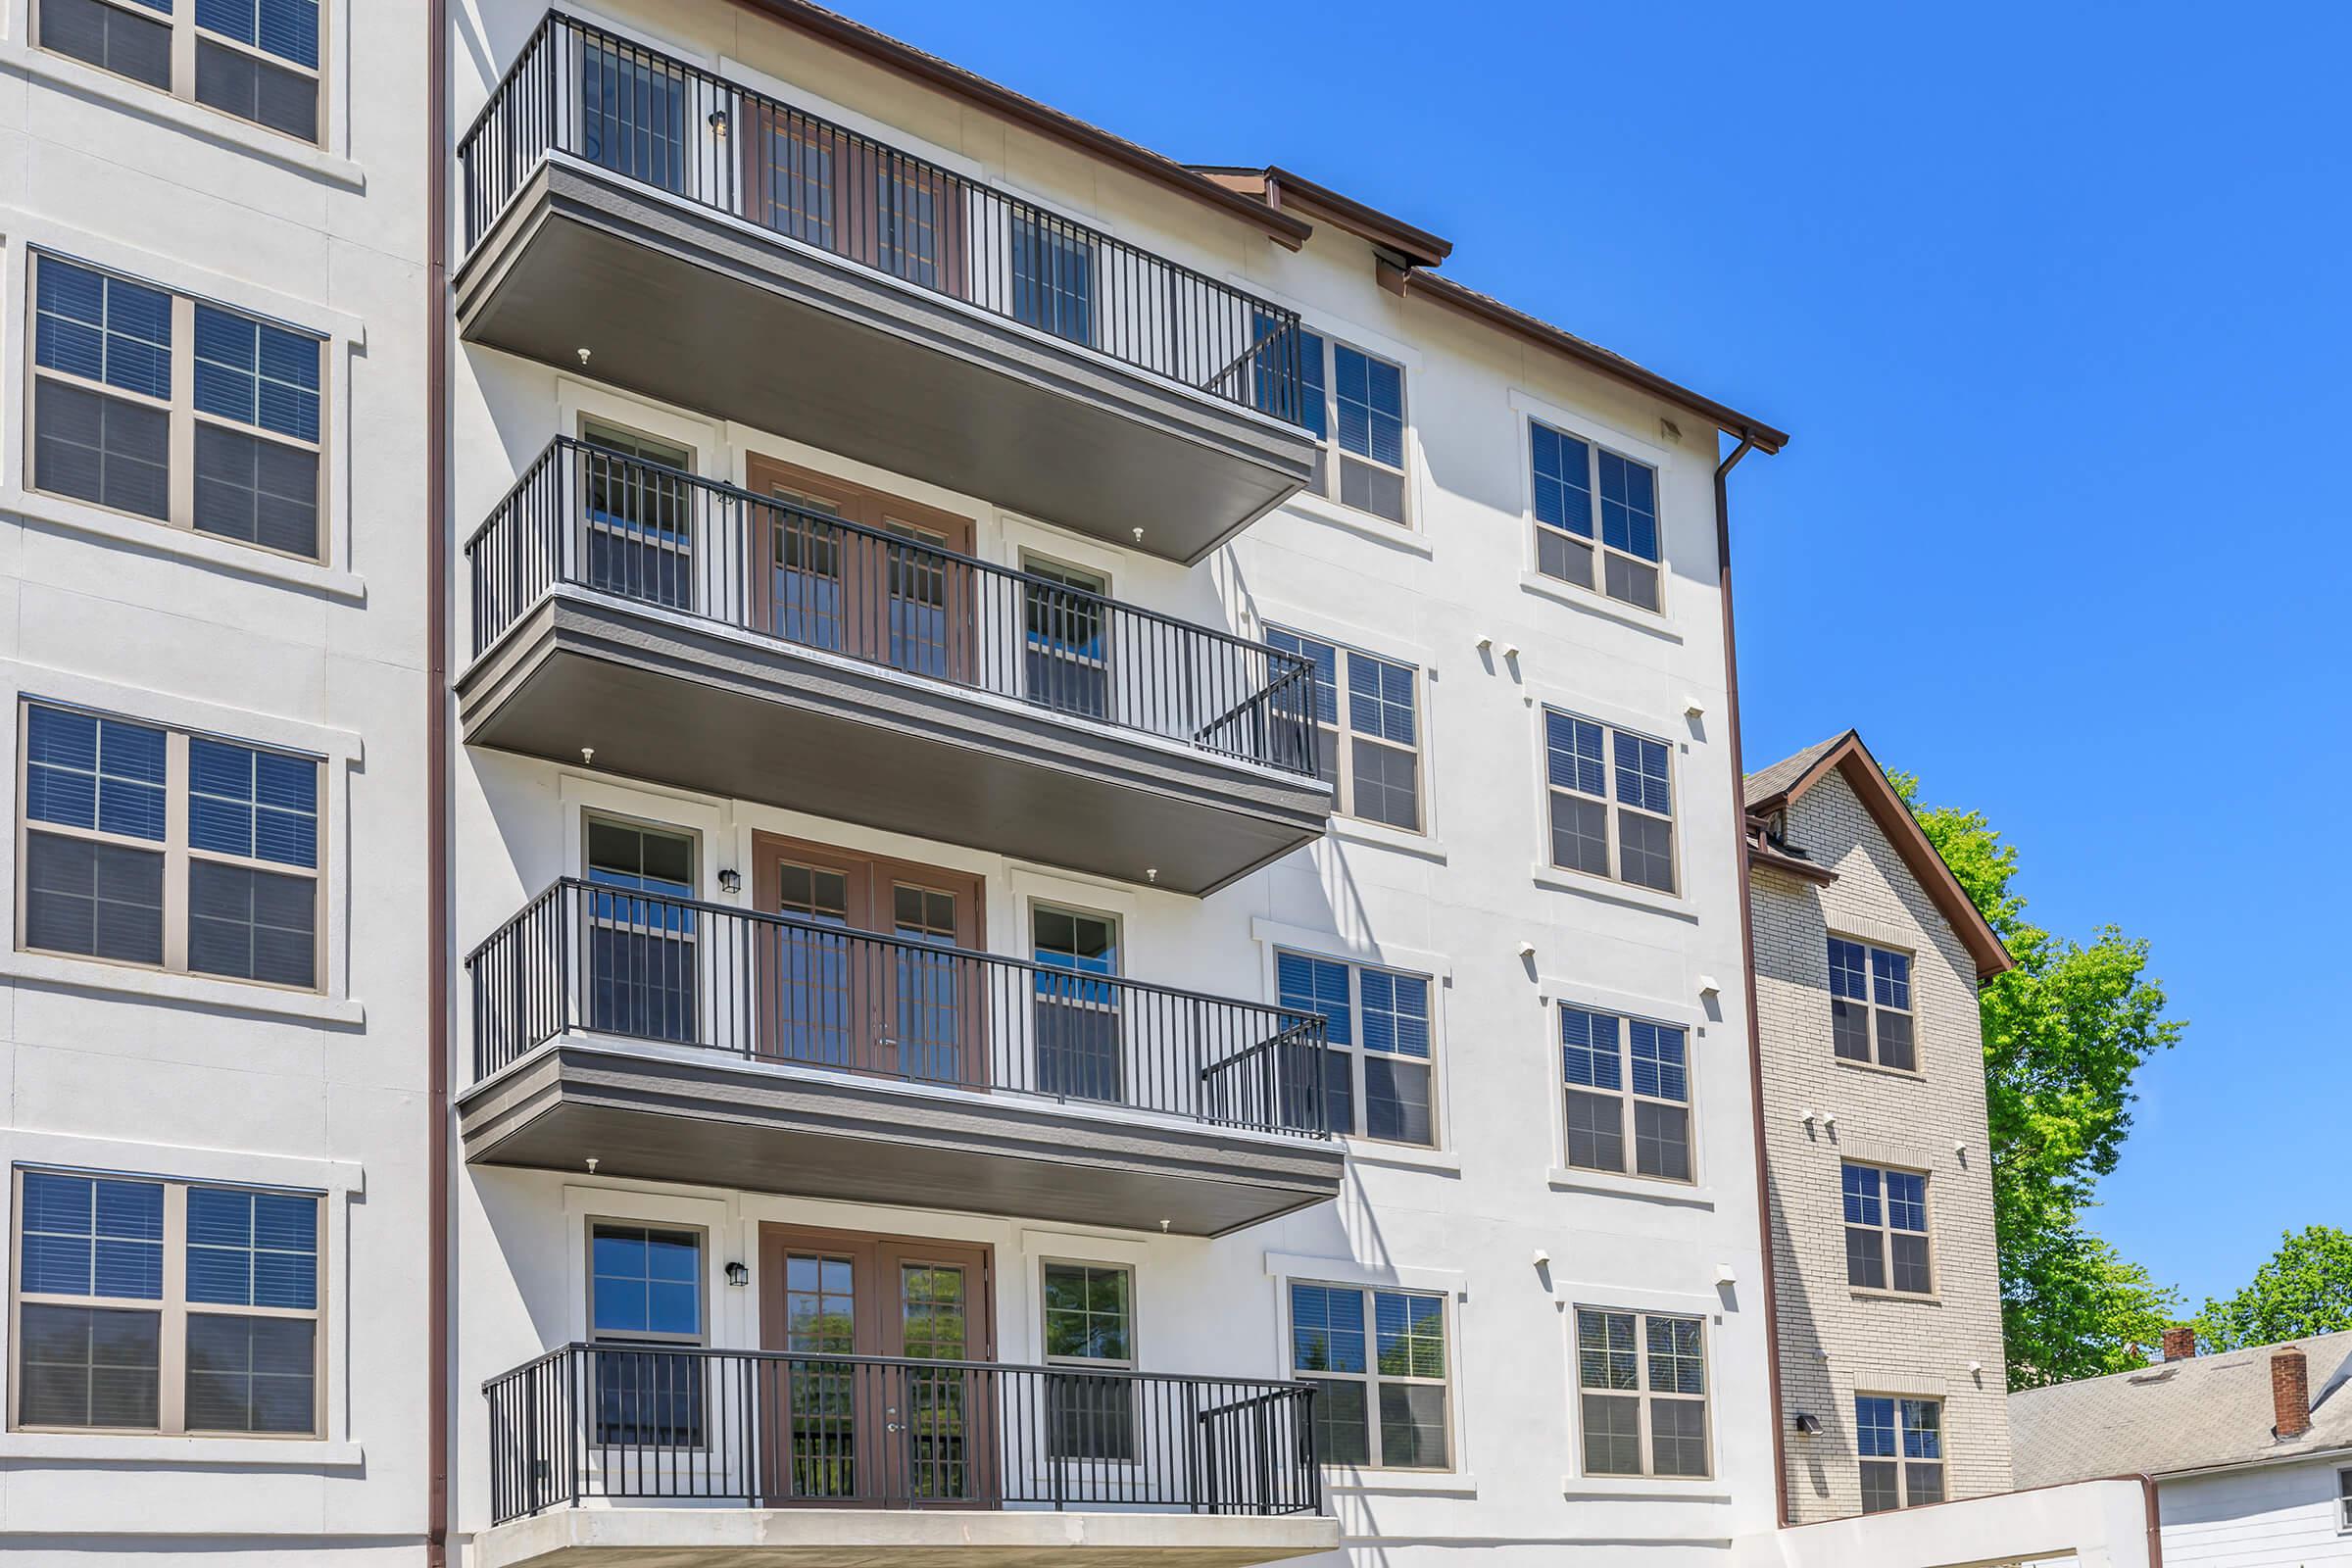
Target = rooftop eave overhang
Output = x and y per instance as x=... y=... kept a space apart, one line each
x=1286 y=192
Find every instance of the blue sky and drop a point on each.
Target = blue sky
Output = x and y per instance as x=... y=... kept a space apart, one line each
x=2052 y=300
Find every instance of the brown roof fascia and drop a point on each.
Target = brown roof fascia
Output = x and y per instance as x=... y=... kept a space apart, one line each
x=894 y=55
x=1415 y=283
x=1285 y=191
x=1868 y=781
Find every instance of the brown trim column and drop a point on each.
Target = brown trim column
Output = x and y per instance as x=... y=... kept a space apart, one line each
x=439 y=1370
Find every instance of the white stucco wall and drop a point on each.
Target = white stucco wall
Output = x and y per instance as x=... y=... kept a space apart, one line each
x=1455 y=902
x=128 y=1070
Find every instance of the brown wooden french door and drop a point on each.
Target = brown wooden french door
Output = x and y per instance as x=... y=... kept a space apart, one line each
x=837 y=1430
x=894 y=1007
x=849 y=196
x=891 y=595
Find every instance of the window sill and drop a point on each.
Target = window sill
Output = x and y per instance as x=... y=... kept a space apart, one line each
x=81 y=1448
x=1398 y=1483
x=1378 y=835
x=1650 y=1189
x=184 y=543
x=1601 y=606
x=1911 y=1073
x=156 y=985
x=1640 y=1488
x=1863 y=1292
x=153 y=103
x=1402 y=1156
x=1608 y=891
x=1322 y=509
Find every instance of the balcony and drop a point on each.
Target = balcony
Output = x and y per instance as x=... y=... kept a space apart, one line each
x=716 y=248
x=690 y=1457
x=703 y=636
x=686 y=1041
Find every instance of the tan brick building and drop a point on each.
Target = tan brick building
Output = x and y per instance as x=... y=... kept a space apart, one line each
x=1887 y=1280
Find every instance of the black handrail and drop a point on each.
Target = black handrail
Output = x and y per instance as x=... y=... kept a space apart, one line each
x=665 y=122
x=586 y=516
x=768 y=1429
x=772 y=988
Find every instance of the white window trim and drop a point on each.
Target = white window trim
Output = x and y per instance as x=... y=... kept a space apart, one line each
x=1283 y=1268
x=1531 y=411
x=345 y=336
x=328 y=155
x=341 y=752
x=1601 y=1300
x=1694 y=1191
x=2343 y=1503
x=1903 y=1475
x=1438 y=969
x=1422 y=840
x=341 y=1181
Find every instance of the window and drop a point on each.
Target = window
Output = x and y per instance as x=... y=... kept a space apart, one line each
x=255 y=59
x=155 y=847
x=640 y=517
x=641 y=949
x=1869 y=1004
x=126 y=375
x=1902 y=1446
x=645 y=1286
x=1080 y=1040
x=1597 y=773
x=1381 y=1406
x=1363 y=398
x=1065 y=616
x=1886 y=1230
x=1569 y=473
x=1379 y=1044
x=1642 y=1390
x=632 y=113
x=1054 y=277
x=1089 y=1323
x=152 y=1305
x=1627 y=1083
x=1367 y=730
x=2343 y=1482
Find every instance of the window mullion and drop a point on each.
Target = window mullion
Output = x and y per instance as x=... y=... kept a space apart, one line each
x=181 y=448
x=175 y=852
x=172 y=1387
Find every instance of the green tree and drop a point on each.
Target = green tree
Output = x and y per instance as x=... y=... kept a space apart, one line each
x=2304 y=1288
x=2063 y=1032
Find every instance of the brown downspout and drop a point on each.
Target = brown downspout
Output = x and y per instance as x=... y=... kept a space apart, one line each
x=438 y=1371
x=1747 y=969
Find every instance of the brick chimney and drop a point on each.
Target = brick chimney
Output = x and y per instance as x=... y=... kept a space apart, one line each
x=2181 y=1344
x=2290 y=1393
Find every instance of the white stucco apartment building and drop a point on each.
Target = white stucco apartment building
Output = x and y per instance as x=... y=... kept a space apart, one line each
x=211 y=617
x=769 y=807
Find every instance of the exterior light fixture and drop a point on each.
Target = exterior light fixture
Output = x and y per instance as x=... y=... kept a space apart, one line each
x=718 y=123
x=730 y=881
x=739 y=1273
x=1807 y=1425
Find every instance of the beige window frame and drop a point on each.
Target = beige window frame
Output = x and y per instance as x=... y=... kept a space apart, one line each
x=1611 y=569
x=1336 y=741
x=172 y=1309
x=179 y=409
x=178 y=852
x=1627 y=1097
x=1127 y=1363
x=1900 y=1464
x=1874 y=1013
x=185 y=34
x=1374 y=1378
x=1642 y=1391
x=1332 y=459
x=1886 y=1230
x=1615 y=811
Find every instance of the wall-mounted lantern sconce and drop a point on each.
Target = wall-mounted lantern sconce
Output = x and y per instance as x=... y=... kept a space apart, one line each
x=730 y=881
x=739 y=1273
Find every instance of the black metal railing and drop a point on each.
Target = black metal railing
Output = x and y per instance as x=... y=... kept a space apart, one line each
x=768 y=1429
x=663 y=122
x=586 y=516
x=780 y=989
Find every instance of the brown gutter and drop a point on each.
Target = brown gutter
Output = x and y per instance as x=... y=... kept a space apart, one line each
x=1747 y=967
x=1414 y=283
x=1285 y=191
x=916 y=65
x=438 y=1369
